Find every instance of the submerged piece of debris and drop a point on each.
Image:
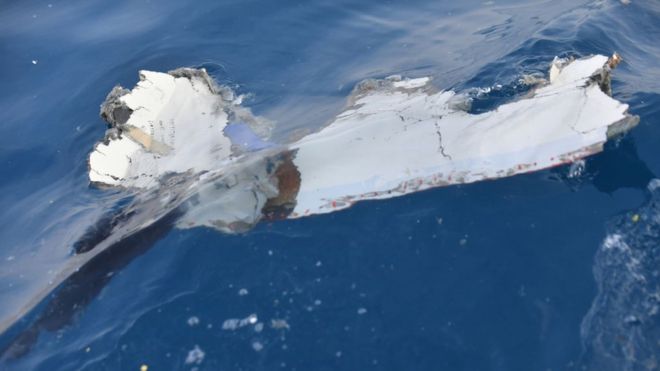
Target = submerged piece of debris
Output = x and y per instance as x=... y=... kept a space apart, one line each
x=395 y=137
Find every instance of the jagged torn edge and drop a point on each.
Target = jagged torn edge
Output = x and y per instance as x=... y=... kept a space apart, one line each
x=169 y=123
x=401 y=136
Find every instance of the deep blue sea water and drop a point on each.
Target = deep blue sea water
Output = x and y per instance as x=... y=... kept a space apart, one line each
x=513 y=274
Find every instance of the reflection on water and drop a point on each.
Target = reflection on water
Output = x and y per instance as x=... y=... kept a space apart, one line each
x=299 y=60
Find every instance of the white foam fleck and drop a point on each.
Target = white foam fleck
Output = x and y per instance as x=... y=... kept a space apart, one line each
x=193 y=321
x=195 y=356
x=279 y=323
x=577 y=168
x=257 y=346
x=615 y=241
x=236 y=323
x=411 y=83
x=653 y=185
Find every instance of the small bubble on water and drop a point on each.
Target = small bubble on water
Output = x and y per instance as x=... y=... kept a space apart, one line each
x=195 y=356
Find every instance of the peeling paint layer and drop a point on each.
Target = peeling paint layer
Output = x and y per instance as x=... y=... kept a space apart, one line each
x=169 y=123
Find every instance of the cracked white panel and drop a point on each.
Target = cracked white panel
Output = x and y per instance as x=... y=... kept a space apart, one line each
x=400 y=137
x=176 y=125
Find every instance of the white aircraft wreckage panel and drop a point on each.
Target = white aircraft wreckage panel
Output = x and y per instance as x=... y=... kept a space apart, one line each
x=191 y=156
x=169 y=123
x=396 y=136
x=399 y=137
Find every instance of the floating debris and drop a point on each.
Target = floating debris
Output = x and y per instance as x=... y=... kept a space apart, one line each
x=413 y=139
x=397 y=136
x=175 y=147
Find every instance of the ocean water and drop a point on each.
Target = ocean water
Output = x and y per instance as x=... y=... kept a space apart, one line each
x=555 y=270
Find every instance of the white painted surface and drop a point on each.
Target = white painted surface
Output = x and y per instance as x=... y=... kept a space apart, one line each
x=398 y=136
x=176 y=126
x=399 y=139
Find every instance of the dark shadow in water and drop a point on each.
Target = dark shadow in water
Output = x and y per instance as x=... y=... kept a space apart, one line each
x=120 y=235
x=619 y=166
x=79 y=289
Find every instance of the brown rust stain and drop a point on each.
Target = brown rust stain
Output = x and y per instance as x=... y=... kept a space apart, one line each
x=288 y=184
